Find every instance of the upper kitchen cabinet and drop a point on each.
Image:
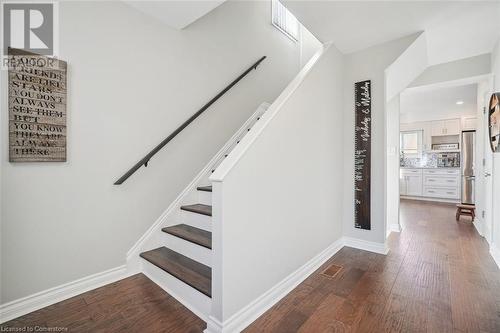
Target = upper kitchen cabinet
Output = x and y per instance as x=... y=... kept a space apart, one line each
x=469 y=123
x=452 y=127
x=445 y=127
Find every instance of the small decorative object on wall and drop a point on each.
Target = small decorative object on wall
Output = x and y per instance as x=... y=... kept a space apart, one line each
x=494 y=122
x=37 y=107
x=362 y=154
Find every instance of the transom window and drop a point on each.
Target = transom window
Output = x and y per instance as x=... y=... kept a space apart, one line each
x=285 y=21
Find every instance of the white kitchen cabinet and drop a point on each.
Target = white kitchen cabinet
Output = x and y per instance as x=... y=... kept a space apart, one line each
x=437 y=128
x=441 y=183
x=414 y=185
x=402 y=184
x=410 y=182
x=445 y=127
x=441 y=192
x=427 y=137
x=432 y=183
x=442 y=171
x=452 y=126
x=469 y=123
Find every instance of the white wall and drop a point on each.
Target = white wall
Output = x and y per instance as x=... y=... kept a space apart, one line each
x=408 y=66
x=454 y=70
x=176 y=14
x=309 y=45
x=132 y=81
x=495 y=68
x=363 y=65
x=392 y=192
x=277 y=199
x=482 y=151
x=438 y=101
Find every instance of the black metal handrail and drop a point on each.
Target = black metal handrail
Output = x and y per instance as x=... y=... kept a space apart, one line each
x=144 y=161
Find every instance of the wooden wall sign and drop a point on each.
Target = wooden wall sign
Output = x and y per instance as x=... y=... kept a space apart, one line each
x=362 y=154
x=37 y=107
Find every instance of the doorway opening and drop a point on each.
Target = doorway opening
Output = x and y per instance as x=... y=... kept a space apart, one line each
x=443 y=158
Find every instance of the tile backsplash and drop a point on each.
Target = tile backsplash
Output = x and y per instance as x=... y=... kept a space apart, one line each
x=427 y=160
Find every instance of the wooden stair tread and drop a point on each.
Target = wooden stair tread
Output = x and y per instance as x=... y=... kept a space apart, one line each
x=205 y=188
x=183 y=268
x=466 y=206
x=191 y=234
x=198 y=208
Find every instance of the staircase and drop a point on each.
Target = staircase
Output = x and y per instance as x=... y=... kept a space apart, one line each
x=182 y=267
x=176 y=252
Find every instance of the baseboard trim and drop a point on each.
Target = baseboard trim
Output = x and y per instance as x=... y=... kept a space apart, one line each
x=25 y=305
x=495 y=253
x=395 y=227
x=360 y=244
x=236 y=323
x=478 y=224
x=251 y=312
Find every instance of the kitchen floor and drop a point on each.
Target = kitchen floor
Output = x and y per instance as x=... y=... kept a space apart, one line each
x=437 y=277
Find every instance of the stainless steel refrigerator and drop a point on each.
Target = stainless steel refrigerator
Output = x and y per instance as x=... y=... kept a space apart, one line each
x=467 y=165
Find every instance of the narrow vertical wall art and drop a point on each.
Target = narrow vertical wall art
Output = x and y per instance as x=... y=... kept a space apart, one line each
x=362 y=154
x=37 y=107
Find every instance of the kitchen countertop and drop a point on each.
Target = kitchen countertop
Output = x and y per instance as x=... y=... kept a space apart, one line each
x=445 y=168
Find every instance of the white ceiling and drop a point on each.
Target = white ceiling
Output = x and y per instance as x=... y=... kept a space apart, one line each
x=455 y=29
x=176 y=14
x=422 y=104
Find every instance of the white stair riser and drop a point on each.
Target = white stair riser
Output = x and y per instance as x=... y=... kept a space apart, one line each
x=205 y=197
x=194 y=251
x=196 y=220
x=191 y=298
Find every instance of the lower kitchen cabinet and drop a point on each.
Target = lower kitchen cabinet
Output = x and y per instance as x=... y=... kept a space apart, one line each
x=442 y=183
x=411 y=182
x=430 y=183
x=441 y=192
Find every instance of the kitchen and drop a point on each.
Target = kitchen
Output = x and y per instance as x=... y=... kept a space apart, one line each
x=437 y=144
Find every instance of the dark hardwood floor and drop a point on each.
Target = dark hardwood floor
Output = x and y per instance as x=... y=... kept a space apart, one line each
x=437 y=277
x=134 y=304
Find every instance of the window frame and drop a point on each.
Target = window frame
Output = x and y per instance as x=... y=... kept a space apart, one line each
x=419 y=148
x=274 y=4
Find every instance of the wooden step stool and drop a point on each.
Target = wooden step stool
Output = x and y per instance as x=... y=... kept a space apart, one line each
x=467 y=210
